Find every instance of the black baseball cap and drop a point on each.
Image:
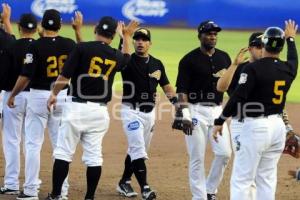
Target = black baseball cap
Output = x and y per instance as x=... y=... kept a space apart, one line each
x=255 y=39
x=142 y=33
x=208 y=26
x=28 y=21
x=51 y=20
x=107 y=26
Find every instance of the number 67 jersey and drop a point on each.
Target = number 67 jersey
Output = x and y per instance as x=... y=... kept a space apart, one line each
x=92 y=67
x=44 y=60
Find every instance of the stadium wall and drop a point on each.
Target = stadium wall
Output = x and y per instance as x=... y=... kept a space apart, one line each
x=230 y=14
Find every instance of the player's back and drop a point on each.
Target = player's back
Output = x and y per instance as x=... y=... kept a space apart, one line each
x=273 y=79
x=95 y=64
x=48 y=57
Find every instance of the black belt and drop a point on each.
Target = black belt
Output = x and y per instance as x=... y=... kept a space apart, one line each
x=78 y=100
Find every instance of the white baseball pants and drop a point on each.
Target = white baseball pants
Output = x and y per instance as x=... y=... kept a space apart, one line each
x=203 y=120
x=37 y=118
x=138 y=127
x=261 y=145
x=13 y=132
x=86 y=123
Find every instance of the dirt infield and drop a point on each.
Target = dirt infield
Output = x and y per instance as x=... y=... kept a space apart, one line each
x=167 y=167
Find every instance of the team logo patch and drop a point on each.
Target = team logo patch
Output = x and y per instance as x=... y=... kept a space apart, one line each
x=220 y=73
x=28 y=58
x=243 y=78
x=194 y=121
x=237 y=142
x=133 y=126
x=156 y=74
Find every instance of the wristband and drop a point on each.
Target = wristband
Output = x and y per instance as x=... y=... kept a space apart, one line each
x=186 y=115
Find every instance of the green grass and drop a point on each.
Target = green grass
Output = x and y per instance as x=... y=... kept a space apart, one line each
x=169 y=45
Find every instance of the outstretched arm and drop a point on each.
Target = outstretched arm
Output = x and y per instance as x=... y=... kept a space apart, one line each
x=77 y=22
x=6 y=13
x=290 y=34
x=225 y=81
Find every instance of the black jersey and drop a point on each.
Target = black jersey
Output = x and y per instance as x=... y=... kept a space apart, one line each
x=44 y=60
x=15 y=61
x=235 y=78
x=6 y=40
x=92 y=67
x=263 y=86
x=140 y=80
x=198 y=74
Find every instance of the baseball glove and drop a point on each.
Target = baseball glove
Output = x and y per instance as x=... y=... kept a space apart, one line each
x=177 y=123
x=292 y=144
x=184 y=125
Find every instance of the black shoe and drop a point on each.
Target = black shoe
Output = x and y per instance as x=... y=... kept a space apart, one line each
x=125 y=189
x=50 y=197
x=5 y=190
x=23 y=196
x=211 y=197
x=148 y=194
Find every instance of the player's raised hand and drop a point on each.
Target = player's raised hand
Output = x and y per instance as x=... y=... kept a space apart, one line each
x=11 y=102
x=51 y=103
x=77 y=21
x=130 y=28
x=120 y=28
x=6 y=12
x=290 y=28
x=217 y=130
x=240 y=57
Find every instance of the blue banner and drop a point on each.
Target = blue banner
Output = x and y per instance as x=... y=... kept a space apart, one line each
x=230 y=14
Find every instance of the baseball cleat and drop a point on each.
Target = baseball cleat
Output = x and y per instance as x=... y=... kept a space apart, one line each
x=5 y=190
x=211 y=197
x=23 y=196
x=125 y=189
x=148 y=194
x=49 y=197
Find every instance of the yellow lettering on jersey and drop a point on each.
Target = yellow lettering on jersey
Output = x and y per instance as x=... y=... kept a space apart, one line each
x=112 y=65
x=52 y=70
x=278 y=92
x=52 y=67
x=61 y=62
x=95 y=67
x=95 y=70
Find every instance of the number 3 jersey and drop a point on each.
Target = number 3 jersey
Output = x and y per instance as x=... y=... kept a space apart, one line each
x=92 y=67
x=44 y=60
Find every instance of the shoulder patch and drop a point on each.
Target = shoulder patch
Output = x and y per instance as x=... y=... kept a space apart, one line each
x=133 y=126
x=28 y=58
x=243 y=78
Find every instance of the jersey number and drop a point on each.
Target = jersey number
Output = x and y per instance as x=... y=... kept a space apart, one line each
x=278 y=92
x=55 y=65
x=96 y=69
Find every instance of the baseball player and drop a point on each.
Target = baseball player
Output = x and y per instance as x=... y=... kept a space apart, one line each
x=261 y=90
x=140 y=79
x=200 y=101
x=229 y=81
x=230 y=78
x=91 y=68
x=43 y=62
x=14 y=117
